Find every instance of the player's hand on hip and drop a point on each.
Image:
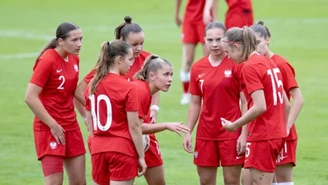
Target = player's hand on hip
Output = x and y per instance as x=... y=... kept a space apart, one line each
x=58 y=132
x=228 y=125
x=187 y=143
x=142 y=166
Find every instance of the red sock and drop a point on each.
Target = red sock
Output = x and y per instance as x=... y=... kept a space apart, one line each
x=185 y=86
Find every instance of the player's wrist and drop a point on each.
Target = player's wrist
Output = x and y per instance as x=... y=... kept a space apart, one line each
x=154 y=107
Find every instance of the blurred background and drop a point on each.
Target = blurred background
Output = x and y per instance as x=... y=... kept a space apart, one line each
x=299 y=33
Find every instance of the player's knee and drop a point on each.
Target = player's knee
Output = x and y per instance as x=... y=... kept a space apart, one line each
x=231 y=179
x=207 y=181
x=77 y=181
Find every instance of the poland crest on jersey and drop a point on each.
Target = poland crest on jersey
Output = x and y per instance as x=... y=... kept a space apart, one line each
x=53 y=145
x=227 y=73
x=76 y=68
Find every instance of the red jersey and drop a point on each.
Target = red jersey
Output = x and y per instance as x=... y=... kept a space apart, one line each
x=58 y=79
x=113 y=98
x=261 y=73
x=136 y=66
x=220 y=92
x=239 y=4
x=289 y=81
x=144 y=97
x=194 y=11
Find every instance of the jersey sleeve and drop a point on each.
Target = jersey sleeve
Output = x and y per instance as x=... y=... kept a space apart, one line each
x=251 y=78
x=41 y=72
x=89 y=76
x=288 y=74
x=194 y=88
x=132 y=103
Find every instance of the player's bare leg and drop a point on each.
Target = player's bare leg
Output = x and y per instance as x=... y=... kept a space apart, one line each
x=188 y=54
x=155 y=175
x=75 y=168
x=284 y=174
x=128 y=182
x=231 y=175
x=54 y=179
x=207 y=175
x=260 y=178
x=246 y=177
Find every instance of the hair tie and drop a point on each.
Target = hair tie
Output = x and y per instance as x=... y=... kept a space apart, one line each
x=108 y=43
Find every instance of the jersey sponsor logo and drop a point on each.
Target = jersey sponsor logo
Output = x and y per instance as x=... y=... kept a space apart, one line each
x=53 y=145
x=196 y=154
x=199 y=76
x=227 y=73
x=59 y=70
x=76 y=68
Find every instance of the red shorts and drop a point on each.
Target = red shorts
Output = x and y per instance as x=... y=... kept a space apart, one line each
x=216 y=153
x=288 y=153
x=238 y=18
x=115 y=166
x=262 y=155
x=153 y=155
x=193 y=33
x=46 y=144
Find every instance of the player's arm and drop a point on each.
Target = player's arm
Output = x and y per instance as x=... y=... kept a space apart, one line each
x=79 y=92
x=178 y=20
x=88 y=121
x=33 y=101
x=210 y=11
x=259 y=106
x=193 y=111
x=295 y=107
x=241 y=142
x=176 y=127
x=154 y=108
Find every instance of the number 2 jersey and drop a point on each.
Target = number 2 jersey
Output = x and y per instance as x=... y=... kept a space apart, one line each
x=219 y=87
x=58 y=79
x=261 y=73
x=114 y=97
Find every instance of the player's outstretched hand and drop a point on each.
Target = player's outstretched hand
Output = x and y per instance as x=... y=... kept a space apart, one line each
x=177 y=127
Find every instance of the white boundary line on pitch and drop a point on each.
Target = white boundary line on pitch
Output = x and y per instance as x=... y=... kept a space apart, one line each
x=18 y=56
x=24 y=34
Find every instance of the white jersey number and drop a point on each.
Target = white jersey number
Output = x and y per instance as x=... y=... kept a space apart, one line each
x=274 y=80
x=62 y=79
x=95 y=115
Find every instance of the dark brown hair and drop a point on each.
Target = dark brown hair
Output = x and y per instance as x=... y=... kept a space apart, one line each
x=123 y=30
x=62 y=32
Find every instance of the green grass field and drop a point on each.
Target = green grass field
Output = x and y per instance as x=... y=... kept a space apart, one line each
x=298 y=27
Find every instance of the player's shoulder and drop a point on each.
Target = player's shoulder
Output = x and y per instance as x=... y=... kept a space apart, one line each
x=201 y=62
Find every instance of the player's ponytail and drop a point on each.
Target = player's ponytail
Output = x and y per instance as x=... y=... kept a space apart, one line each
x=152 y=64
x=249 y=42
x=107 y=56
x=123 y=30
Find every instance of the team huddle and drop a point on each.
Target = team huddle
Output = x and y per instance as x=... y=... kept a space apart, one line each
x=238 y=94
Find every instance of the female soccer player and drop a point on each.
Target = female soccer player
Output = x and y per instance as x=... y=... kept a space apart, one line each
x=133 y=35
x=267 y=103
x=192 y=34
x=287 y=158
x=155 y=76
x=215 y=93
x=57 y=136
x=112 y=105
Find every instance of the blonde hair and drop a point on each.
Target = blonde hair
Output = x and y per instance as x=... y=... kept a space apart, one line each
x=109 y=51
x=244 y=36
x=152 y=64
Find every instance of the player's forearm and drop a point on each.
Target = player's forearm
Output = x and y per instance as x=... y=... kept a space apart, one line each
x=135 y=131
x=152 y=128
x=155 y=99
x=79 y=92
x=79 y=107
x=88 y=122
x=208 y=6
x=177 y=7
x=39 y=111
x=214 y=9
x=295 y=108
x=193 y=114
x=249 y=116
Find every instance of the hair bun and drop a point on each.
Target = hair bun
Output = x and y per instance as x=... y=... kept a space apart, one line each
x=128 y=19
x=261 y=23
